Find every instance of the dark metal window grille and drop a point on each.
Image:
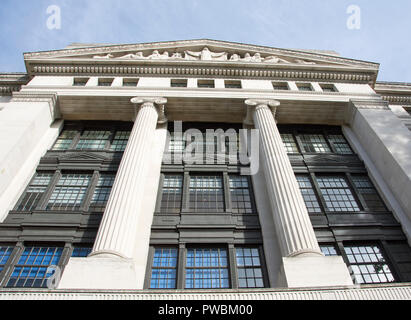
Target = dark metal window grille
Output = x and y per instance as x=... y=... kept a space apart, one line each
x=368 y=192
x=64 y=140
x=241 y=198
x=31 y=269
x=172 y=193
x=93 y=140
x=308 y=193
x=69 y=192
x=5 y=253
x=120 y=141
x=250 y=273
x=314 y=143
x=206 y=194
x=207 y=268
x=164 y=269
x=179 y=83
x=81 y=252
x=340 y=144
x=368 y=264
x=34 y=192
x=102 y=191
x=289 y=143
x=337 y=194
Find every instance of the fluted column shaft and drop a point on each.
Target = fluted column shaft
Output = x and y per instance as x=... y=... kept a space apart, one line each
x=117 y=233
x=293 y=225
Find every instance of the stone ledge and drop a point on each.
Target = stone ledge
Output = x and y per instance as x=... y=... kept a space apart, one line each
x=365 y=292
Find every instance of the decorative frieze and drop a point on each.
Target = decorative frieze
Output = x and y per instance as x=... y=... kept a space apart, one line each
x=202 y=71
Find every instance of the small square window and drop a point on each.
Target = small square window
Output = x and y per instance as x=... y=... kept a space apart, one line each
x=179 y=83
x=80 y=82
x=105 y=82
x=232 y=84
x=328 y=88
x=130 y=82
x=280 y=86
x=304 y=87
x=206 y=84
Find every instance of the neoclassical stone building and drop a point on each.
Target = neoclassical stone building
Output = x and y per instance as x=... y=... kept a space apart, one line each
x=203 y=169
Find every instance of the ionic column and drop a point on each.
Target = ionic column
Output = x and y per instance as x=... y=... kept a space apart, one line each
x=117 y=234
x=293 y=226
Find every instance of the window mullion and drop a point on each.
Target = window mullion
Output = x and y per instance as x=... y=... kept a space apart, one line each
x=185 y=204
x=227 y=194
x=317 y=191
x=330 y=144
x=181 y=263
x=357 y=195
x=47 y=194
x=90 y=191
x=9 y=266
x=232 y=265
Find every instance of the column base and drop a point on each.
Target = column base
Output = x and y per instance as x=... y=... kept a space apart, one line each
x=300 y=272
x=102 y=273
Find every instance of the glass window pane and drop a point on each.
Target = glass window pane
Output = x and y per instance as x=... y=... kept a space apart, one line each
x=34 y=192
x=209 y=270
x=164 y=268
x=27 y=273
x=241 y=199
x=337 y=194
x=314 y=143
x=367 y=266
x=308 y=193
x=250 y=274
x=206 y=194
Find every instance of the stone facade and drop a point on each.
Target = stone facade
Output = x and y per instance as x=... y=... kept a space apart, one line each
x=145 y=89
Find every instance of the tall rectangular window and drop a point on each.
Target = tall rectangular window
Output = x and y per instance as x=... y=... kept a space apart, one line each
x=241 y=194
x=368 y=264
x=368 y=192
x=34 y=192
x=340 y=144
x=250 y=273
x=31 y=269
x=314 y=143
x=308 y=193
x=207 y=268
x=289 y=143
x=164 y=269
x=172 y=193
x=69 y=192
x=65 y=140
x=337 y=194
x=120 y=141
x=5 y=253
x=206 y=193
x=93 y=140
x=102 y=191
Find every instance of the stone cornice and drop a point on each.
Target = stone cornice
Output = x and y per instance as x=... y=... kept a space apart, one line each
x=12 y=82
x=253 y=71
x=370 y=104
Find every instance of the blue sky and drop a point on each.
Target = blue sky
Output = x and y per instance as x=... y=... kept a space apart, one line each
x=302 y=24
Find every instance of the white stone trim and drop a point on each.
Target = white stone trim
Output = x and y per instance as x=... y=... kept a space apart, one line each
x=367 y=292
